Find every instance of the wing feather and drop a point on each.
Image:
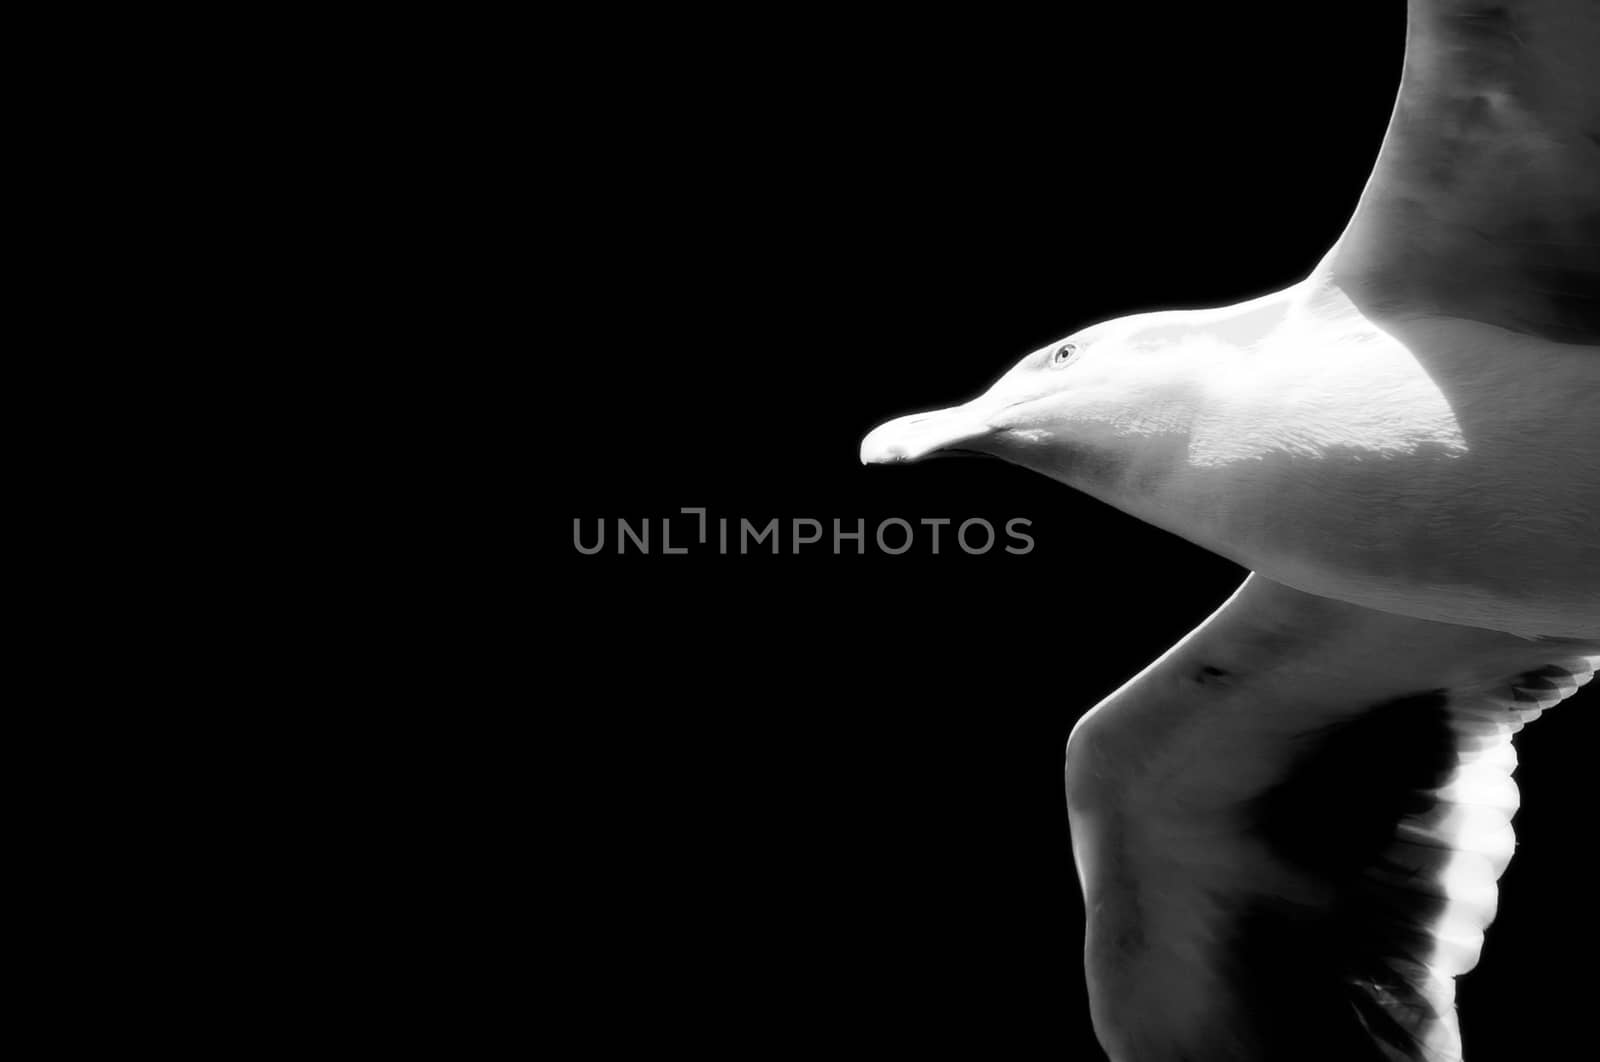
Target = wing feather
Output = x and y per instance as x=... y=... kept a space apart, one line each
x=1297 y=859
x=1485 y=199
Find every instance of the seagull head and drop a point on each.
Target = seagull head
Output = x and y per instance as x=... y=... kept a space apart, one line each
x=1104 y=409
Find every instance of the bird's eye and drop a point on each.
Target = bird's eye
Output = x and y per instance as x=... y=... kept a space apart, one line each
x=1063 y=352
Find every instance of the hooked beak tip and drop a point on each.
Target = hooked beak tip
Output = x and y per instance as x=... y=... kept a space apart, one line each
x=911 y=438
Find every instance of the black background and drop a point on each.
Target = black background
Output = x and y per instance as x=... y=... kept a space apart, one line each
x=814 y=802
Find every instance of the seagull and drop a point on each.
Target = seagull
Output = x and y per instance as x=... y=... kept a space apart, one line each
x=1288 y=828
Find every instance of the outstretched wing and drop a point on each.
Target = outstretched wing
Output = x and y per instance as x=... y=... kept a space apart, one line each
x=1485 y=200
x=1289 y=828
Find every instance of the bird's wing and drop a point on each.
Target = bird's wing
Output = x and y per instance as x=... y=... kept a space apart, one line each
x=1289 y=828
x=1485 y=199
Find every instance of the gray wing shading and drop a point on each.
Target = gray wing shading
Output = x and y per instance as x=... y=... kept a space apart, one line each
x=1290 y=827
x=1485 y=199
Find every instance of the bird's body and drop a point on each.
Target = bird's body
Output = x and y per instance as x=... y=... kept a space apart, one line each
x=1288 y=829
x=1429 y=466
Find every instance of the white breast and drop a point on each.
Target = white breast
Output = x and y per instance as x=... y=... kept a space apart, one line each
x=1439 y=468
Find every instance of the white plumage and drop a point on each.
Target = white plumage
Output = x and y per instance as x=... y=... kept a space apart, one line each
x=1288 y=829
